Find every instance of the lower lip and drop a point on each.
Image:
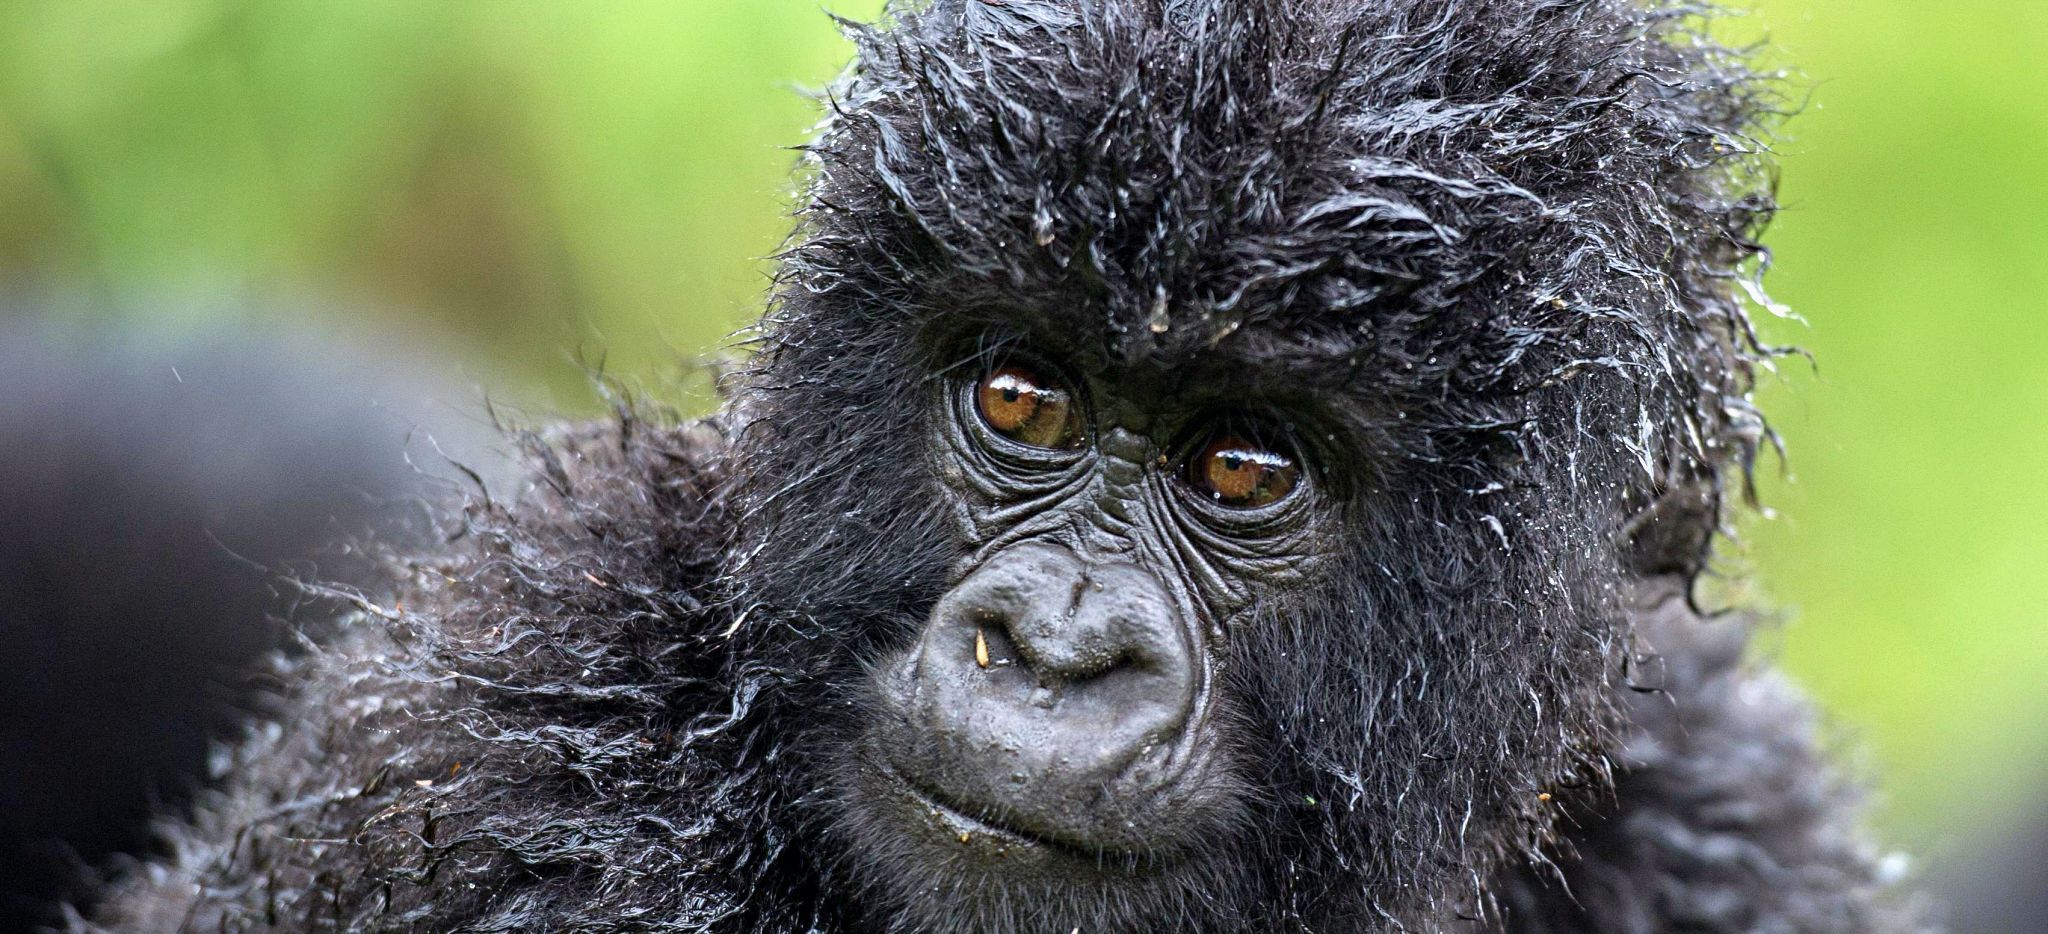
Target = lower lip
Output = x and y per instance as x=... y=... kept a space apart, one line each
x=961 y=826
x=991 y=841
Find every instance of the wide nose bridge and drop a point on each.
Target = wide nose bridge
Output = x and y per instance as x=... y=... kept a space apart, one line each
x=1114 y=513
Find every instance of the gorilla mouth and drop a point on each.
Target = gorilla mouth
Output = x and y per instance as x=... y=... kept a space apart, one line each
x=962 y=822
x=967 y=824
x=974 y=828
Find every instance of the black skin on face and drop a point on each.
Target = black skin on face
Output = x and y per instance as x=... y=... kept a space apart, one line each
x=1061 y=699
x=888 y=647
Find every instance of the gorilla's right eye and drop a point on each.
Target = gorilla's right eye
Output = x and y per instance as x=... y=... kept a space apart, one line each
x=1025 y=407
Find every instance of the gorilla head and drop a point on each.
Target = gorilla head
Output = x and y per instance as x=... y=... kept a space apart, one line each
x=1227 y=435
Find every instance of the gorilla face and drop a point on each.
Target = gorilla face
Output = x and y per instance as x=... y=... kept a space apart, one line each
x=1050 y=730
x=1060 y=708
x=1136 y=639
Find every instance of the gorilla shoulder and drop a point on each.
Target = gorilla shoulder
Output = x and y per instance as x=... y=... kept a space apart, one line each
x=510 y=711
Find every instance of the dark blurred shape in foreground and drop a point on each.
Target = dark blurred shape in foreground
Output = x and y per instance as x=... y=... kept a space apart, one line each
x=156 y=499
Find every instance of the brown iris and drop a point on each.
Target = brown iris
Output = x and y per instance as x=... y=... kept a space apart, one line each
x=1242 y=473
x=1023 y=406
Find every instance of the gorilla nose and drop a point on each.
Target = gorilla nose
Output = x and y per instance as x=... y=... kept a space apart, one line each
x=1050 y=692
x=1068 y=624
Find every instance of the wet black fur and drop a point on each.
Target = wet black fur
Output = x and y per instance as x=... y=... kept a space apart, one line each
x=1510 y=237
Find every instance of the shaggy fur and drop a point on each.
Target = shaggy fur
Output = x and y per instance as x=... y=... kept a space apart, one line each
x=1498 y=245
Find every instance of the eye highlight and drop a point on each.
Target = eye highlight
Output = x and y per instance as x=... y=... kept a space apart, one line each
x=1027 y=408
x=1240 y=473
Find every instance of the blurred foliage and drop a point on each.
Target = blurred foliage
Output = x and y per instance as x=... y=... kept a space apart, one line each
x=541 y=180
x=544 y=179
x=1911 y=548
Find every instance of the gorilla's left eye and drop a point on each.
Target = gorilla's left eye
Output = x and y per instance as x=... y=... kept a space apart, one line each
x=1242 y=473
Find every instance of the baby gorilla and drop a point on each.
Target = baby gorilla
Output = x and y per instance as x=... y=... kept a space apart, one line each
x=1215 y=465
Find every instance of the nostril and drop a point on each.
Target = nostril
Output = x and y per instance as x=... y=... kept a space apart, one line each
x=1041 y=617
x=1063 y=649
x=1049 y=659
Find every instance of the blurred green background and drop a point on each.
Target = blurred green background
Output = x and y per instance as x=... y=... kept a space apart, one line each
x=530 y=182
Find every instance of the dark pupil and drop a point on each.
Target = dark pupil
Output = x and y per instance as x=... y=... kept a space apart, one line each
x=1010 y=393
x=1232 y=462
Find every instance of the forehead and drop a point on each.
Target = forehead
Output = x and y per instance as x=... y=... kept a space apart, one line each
x=1160 y=187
